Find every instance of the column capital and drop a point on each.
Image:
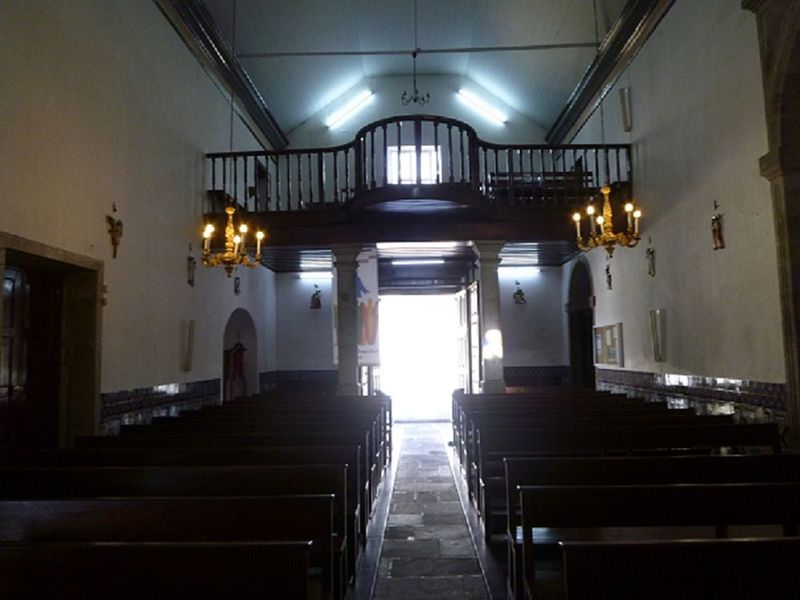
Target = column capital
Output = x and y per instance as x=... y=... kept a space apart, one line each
x=755 y=6
x=780 y=162
x=346 y=254
x=487 y=250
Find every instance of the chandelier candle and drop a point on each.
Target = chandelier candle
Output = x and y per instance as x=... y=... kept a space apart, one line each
x=606 y=236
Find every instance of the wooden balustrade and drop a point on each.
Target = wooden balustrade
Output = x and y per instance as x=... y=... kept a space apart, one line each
x=416 y=150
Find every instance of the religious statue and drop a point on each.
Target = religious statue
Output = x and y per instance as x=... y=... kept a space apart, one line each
x=608 y=277
x=237 y=285
x=650 y=255
x=519 y=295
x=115 y=231
x=191 y=266
x=716 y=232
x=316 y=298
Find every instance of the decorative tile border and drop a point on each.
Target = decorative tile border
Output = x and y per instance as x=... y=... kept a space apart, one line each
x=549 y=375
x=749 y=401
x=139 y=406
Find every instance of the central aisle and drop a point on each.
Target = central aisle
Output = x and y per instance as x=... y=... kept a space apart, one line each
x=427 y=550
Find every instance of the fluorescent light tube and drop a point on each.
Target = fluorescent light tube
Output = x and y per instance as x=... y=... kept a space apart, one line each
x=315 y=275
x=418 y=261
x=349 y=109
x=481 y=106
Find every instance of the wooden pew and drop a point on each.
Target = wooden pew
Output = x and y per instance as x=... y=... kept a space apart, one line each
x=764 y=568
x=256 y=455
x=185 y=519
x=331 y=408
x=278 y=423
x=199 y=440
x=492 y=445
x=316 y=404
x=168 y=570
x=584 y=513
x=578 y=420
x=84 y=482
x=548 y=471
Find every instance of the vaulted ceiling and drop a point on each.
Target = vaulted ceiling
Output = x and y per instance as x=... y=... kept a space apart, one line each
x=269 y=35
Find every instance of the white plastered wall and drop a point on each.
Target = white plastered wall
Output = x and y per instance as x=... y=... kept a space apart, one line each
x=304 y=335
x=103 y=104
x=698 y=132
x=533 y=332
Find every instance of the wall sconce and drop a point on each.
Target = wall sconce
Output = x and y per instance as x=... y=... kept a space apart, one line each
x=519 y=295
x=316 y=298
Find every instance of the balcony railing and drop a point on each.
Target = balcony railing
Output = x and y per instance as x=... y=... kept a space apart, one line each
x=421 y=151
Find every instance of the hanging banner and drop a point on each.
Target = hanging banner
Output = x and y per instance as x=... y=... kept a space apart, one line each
x=367 y=298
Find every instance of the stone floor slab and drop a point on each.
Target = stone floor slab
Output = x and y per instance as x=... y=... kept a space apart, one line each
x=427 y=549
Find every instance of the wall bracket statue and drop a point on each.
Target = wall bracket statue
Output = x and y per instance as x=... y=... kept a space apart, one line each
x=716 y=229
x=115 y=231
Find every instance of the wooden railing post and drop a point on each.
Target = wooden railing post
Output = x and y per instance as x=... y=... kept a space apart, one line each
x=359 y=170
x=418 y=147
x=474 y=162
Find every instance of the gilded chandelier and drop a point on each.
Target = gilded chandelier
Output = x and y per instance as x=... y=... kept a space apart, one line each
x=601 y=227
x=235 y=253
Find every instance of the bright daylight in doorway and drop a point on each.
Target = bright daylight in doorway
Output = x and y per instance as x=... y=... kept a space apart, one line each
x=419 y=354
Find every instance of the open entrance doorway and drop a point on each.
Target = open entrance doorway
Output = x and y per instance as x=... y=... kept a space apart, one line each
x=419 y=354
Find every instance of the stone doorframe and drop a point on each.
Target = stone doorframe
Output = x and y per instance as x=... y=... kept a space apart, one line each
x=79 y=396
x=779 y=42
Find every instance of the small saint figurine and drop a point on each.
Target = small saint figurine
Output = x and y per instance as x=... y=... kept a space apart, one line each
x=608 y=277
x=716 y=232
x=519 y=295
x=191 y=266
x=650 y=254
x=316 y=298
x=115 y=231
x=237 y=285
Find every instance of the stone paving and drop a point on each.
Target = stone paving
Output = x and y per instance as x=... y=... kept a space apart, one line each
x=427 y=550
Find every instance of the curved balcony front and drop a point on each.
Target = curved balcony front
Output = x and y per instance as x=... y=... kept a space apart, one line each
x=418 y=166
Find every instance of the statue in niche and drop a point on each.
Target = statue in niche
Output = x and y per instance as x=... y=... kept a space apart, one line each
x=650 y=255
x=237 y=285
x=716 y=229
x=191 y=266
x=609 y=285
x=519 y=295
x=316 y=298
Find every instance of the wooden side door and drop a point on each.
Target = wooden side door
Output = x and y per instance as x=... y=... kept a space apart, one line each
x=13 y=355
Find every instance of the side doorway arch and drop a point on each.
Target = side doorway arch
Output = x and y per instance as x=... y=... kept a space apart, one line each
x=240 y=356
x=580 y=311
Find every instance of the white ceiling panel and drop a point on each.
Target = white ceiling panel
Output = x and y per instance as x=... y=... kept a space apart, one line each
x=535 y=82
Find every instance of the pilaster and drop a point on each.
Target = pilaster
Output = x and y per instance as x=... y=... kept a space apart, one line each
x=491 y=329
x=346 y=262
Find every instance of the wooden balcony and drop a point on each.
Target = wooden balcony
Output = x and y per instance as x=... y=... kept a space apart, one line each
x=415 y=178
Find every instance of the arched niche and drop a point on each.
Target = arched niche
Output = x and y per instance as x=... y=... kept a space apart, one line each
x=580 y=310
x=240 y=356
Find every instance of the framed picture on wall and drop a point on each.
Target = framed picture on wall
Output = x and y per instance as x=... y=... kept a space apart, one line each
x=608 y=349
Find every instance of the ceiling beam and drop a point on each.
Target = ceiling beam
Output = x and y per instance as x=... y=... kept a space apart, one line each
x=638 y=20
x=196 y=27
x=420 y=51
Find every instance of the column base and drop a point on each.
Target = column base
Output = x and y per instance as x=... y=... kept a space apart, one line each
x=347 y=389
x=493 y=386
